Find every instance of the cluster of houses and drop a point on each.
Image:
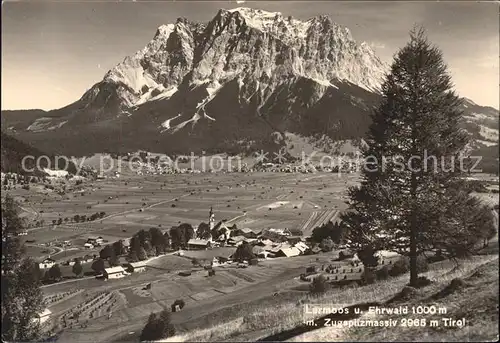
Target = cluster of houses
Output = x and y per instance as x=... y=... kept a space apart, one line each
x=266 y=243
x=93 y=241
x=49 y=262
x=343 y=166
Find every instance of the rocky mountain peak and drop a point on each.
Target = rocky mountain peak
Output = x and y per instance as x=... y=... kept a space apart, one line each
x=244 y=43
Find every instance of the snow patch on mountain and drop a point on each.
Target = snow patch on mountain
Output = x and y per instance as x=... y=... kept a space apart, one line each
x=45 y=124
x=324 y=83
x=273 y=22
x=194 y=119
x=208 y=117
x=139 y=82
x=215 y=87
x=158 y=93
x=166 y=123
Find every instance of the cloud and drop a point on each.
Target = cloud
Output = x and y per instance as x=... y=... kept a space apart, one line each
x=377 y=45
x=240 y=1
x=490 y=61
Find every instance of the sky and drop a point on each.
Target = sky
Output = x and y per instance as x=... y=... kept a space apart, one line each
x=52 y=52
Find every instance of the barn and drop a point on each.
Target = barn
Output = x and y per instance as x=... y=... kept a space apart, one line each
x=136 y=267
x=198 y=244
x=288 y=252
x=114 y=273
x=302 y=247
x=43 y=316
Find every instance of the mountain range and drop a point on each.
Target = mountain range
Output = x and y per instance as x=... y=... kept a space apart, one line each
x=239 y=83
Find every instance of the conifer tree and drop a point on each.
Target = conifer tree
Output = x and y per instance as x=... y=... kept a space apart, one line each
x=22 y=299
x=12 y=225
x=412 y=198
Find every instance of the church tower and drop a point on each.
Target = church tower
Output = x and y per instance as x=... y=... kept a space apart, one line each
x=211 y=219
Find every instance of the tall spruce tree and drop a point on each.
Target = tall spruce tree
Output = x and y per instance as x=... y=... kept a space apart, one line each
x=411 y=198
x=12 y=225
x=22 y=299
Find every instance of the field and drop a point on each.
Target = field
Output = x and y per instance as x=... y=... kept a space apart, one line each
x=281 y=318
x=202 y=294
x=132 y=203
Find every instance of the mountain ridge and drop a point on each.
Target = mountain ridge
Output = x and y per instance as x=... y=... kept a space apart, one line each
x=228 y=84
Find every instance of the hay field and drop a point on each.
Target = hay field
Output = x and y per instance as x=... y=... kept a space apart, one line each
x=254 y=200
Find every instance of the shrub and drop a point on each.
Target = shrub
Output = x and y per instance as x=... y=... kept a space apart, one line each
x=402 y=266
x=422 y=281
x=406 y=294
x=326 y=244
x=422 y=264
x=367 y=257
x=311 y=269
x=383 y=273
x=368 y=277
x=318 y=285
x=399 y=267
x=159 y=326
x=179 y=302
x=243 y=252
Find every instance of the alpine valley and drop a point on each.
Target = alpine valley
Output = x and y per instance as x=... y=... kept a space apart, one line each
x=246 y=80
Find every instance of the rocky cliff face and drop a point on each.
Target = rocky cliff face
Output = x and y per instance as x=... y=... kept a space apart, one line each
x=226 y=85
x=259 y=49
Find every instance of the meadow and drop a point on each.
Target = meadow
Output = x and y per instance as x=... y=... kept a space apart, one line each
x=131 y=203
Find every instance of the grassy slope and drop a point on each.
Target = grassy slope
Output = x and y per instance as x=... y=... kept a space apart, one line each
x=477 y=302
x=259 y=319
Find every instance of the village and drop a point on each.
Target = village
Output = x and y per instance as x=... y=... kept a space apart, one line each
x=265 y=244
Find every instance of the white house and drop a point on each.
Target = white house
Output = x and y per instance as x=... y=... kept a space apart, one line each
x=47 y=263
x=43 y=316
x=198 y=244
x=114 y=273
x=302 y=247
x=283 y=232
x=88 y=246
x=289 y=252
x=136 y=267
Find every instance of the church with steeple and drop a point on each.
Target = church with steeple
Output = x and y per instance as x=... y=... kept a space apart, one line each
x=211 y=219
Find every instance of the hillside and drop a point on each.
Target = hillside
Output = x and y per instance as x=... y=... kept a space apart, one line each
x=13 y=151
x=281 y=318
